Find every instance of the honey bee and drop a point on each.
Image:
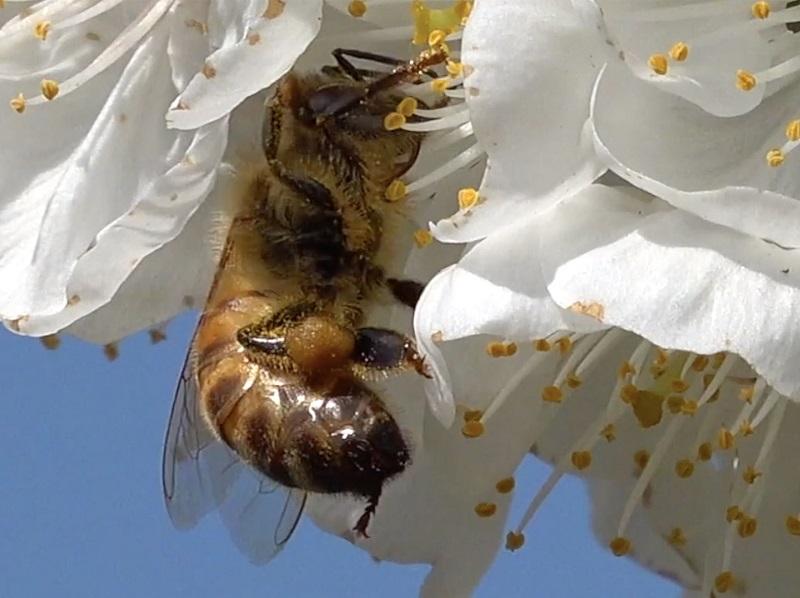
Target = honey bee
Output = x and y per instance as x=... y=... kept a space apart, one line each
x=274 y=400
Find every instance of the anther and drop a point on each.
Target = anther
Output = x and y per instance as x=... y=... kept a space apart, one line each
x=725 y=439
x=581 y=460
x=51 y=341
x=552 y=394
x=564 y=344
x=620 y=546
x=760 y=10
x=542 y=344
x=641 y=458
x=514 y=541
x=705 y=451
x=423 y=238
x=679 y=52
x=793 y=130
x=49 y=88
x=684 y=468
x=609 y=433
x=18 y=103
x=472 y=415
x=440 y=85
x=485 y=509
x=41 y=29
x=724 y=582
x=626 y=369
x=357 y=8
x=700 y=363
x=745 y=81
x=467 y=198
x=573 y=381
x=750 y=475
x=733 y=513
x=473 y=429
x=393 y=121
x=436 y=38
x=775 y=157
x=746 y=527
x=793 y=525
x=407 y=106
x=659 y=64
x=396 y=190
x=505 y=486
x=677 y=537
x=111 y=351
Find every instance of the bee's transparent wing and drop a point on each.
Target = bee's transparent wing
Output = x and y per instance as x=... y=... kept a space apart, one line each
x=201 y=474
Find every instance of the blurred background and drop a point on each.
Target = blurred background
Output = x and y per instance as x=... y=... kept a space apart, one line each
x=82 y=512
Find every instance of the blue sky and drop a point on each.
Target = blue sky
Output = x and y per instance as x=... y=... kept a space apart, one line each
x=82 y=513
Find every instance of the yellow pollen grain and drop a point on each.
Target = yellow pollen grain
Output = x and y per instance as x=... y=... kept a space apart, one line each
x=724 y=582
x=750 y=475
x=49 y=88
x=41 y=29
x=629 y=393
x=440 y=85
x=542 y=344
x=485 y=509
x=157 y=336
x=679 y=52
x=552 y=394
x=733 y=513
x=51 y=342
x=357 y=8
x=423 y=238
x=793 y=525
x=396 y=190
x=659 y=64
x=745 y=81
x=620 y=546
x=705 y=451
x=699 y=363
x=18 y=103
x=407 y=106
x=793 y=130
x=467 y=198
x=641 y=458
x=473 y=429
x=684 y=468
x=725 y=439
x=775 y=157
x=747 y=527
x=746 y=393
x=609 y=433
x=677 y=537
x=564 y=345
x=679 y=385
x=472 y=415
x=746 y=428
x=760 y=10
x=626 y=369
x=393 y=121
x=111 y=351
x=514 y=541
x=505 y=485
x=581 y=460
x=573 y=381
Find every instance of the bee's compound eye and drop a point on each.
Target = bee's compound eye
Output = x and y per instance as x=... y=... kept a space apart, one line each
x=319 y=343
x=328 y=101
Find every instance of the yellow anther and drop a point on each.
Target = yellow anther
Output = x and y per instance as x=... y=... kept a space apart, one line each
x=407 y=106
x=648 y=408
x=677 y=537
x=440 y=85
x=609 y=433
x=581 y=460
x=620 y=546
x=641 y=458
x=573 y=381
x=437 y=336
x=746 y=428
x=496 y=349
x=49 y=88
x=657 y=371
x=684 y=468
x=626 y=369
x=436 y=37
x=629 y=393
x=750 y=475
x=462 y=9
x=41 y=29
x=717 y=359
x=793 y=525
x=485 y=509
x=446 y=20
x=564 y=344
x=775 y=157
x=111 y=351
x=725 y=439
x=473 y=429
x=423 y=238
x=689 y=408
x=393 y=121
x=662 y=357
x=472 y=415
x=51 y=341
x=760 y=10
x=724 y=582
x=746 y=393
x=18 y=103
x=675 y=404
x=745 y=81
x=699 y=363
x=793 y=130
x=705 y=451
x=679 y=52
x=746 y=527
x=157 y=336
x=357 y=8
x=505 y=485
x=552 y=394
x=679 y=385
x=659 y=64
x=396 y=190
x=733 y=513
x=467 y=198
x=454 y=69
x=514 y=541
x=542 y=344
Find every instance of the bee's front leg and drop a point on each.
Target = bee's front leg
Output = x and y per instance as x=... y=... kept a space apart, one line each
x=383 y=352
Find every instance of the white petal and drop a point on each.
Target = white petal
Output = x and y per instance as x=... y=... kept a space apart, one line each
x=534 y=66
x=250 y=57
x=713 y=167
x=676 y=280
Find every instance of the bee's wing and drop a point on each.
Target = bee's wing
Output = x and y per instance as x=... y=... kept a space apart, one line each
x=200 y=473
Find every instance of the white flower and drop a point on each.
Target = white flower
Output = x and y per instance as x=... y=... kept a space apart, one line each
x=95 y=181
